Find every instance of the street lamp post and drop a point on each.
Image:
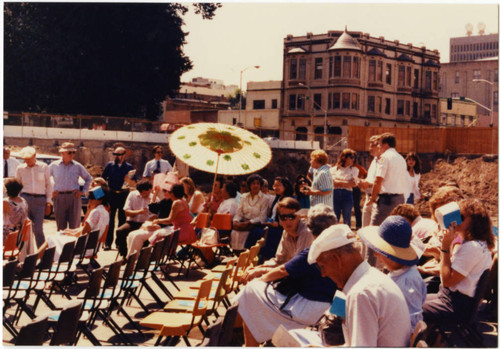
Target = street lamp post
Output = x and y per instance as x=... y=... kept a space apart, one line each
x=312 y=119
x=492 y=98
x=241 y=92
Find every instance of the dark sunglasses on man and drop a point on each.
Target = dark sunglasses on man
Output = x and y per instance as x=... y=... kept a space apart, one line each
x=287 y=217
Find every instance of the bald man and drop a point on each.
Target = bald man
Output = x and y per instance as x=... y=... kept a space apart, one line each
x=116 y=173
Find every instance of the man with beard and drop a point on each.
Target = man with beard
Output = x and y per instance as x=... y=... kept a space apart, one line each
x=116 y=173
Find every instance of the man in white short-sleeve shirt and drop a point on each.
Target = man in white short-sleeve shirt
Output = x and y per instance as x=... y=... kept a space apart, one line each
x=391 y=180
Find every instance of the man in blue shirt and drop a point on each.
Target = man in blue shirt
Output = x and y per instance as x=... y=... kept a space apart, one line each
x=116 y=173
x=67 y=193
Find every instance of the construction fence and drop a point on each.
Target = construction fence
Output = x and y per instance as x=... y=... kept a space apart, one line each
x=477 y=140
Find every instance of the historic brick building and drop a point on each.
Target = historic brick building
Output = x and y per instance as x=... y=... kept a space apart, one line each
x=349 y=78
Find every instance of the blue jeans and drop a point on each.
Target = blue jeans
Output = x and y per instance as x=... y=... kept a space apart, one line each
x=342 y=204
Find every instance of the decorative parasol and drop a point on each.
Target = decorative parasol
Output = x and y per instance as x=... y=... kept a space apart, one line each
x=220 y=148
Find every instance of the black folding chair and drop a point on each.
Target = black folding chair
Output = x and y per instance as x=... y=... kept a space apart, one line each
x=137 y=278
x=170 y=256
x=86 y=257
x=34 y=332
x=45 y=274
x=9 y=275
x=23 y=284
x=109 y=293
x=90 y=301
x=63 y=270
x=65 y=323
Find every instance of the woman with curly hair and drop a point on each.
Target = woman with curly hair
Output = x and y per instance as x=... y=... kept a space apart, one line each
x=413 y=167
x=344 y=176
x=461 y=268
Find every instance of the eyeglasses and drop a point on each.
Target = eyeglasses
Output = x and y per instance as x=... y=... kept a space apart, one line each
x=287 y=217
x=158 y=152
x=118 y=154
x=71 y=152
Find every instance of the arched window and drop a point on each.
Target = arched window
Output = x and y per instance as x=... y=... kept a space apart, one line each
x=301 y=134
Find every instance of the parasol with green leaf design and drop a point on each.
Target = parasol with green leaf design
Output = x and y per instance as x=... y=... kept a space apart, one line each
x=220 y=148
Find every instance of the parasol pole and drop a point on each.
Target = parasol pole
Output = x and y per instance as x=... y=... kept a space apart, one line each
x=215 y=177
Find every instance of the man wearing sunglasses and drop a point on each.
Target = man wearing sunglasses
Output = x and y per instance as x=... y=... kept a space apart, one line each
x=67 y=192
x=157 y=165
x=117 y=172
x=295 y=238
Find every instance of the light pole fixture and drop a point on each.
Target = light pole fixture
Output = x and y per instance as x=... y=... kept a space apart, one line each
x=241 y=92
x=492 y=98
x=312 y=119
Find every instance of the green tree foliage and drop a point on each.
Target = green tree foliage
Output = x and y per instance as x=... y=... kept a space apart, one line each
x=94 y=58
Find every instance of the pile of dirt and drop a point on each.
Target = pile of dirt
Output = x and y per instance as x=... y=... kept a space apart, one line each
x=477 y=178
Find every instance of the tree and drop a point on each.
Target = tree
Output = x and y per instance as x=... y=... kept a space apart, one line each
x=94 y=58
x=234 y=100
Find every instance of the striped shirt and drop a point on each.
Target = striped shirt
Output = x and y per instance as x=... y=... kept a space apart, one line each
x=322 y=181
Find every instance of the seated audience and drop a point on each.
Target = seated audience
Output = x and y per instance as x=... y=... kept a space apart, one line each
x=136 y=211
x=282 y=188
x=215 y=198
x=391 y=244
x=263 y=308
x=460 y=271
x=15 y=208
x=228 y=204
x=179 y=215
x=297 y=234
x=300 y=183
x=376 y=313
x=194 y=197
x=161 y=209
x=251 y=214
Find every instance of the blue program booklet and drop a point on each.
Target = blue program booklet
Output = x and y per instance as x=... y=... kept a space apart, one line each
x=338 y=304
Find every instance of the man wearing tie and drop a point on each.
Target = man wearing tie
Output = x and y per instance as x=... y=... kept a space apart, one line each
x=157 y=165
x=9 y=164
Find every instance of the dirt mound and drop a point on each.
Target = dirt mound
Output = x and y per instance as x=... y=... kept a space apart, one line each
x=477 y=178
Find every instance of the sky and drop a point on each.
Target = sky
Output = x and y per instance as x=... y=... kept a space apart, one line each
x=248 y=34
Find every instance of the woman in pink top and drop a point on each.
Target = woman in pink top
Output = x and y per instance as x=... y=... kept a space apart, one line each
x=180 y=216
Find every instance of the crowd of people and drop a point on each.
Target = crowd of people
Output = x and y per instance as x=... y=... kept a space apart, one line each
x=394 y=268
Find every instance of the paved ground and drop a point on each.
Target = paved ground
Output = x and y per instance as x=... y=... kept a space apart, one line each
x=103 y=333
x=488 y=324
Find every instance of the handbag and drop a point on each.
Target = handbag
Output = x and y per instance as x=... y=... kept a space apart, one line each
x=330 y=329
x=209 y=236
x=287 y=286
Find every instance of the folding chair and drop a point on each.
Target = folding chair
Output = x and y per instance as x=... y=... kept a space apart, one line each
x=65 y=323
x=63 y=269
x=23 y=284
x=108 y=295
x=131 y=279
x=10 y=246
x=171 y=256
x=89 y=252
x=157 y=257
x=176 y=325
x=45 y=273
x=223 y=222
x=90 y=301
x=9 y=275
x=217 y=295
x=34 y=332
